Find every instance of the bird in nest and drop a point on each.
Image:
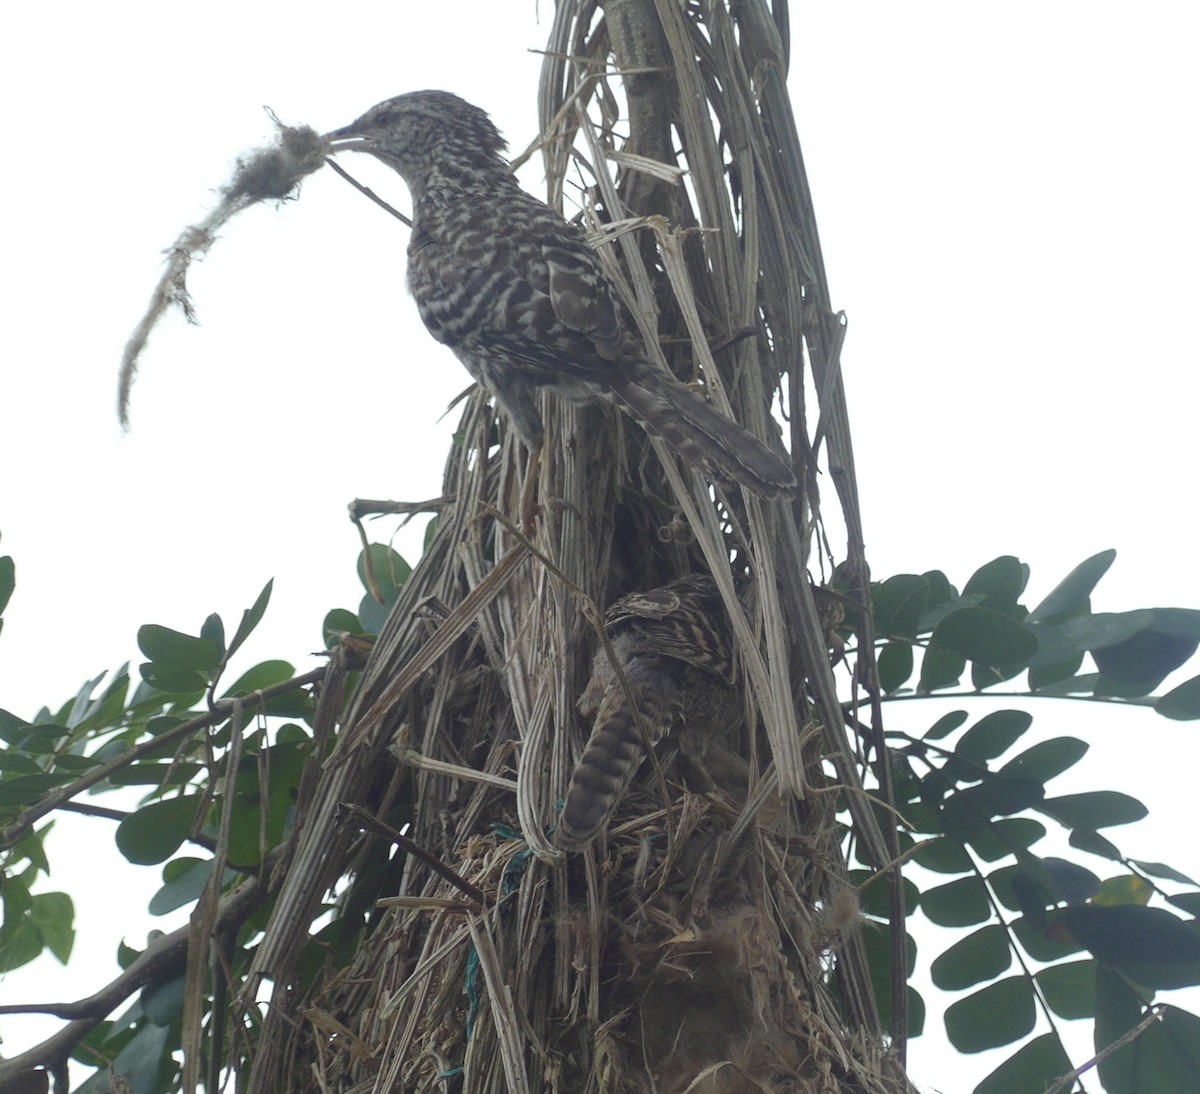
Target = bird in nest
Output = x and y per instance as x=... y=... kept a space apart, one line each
x=671 y=670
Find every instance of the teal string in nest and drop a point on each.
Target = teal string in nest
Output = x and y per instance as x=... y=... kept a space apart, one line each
x=472 y=988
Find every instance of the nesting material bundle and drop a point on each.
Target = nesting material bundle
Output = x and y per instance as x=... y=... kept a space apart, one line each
x=266 y=174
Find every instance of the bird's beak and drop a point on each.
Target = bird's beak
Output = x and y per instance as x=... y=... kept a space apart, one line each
x=347 y=139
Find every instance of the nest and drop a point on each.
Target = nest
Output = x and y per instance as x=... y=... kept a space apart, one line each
x=711 y=942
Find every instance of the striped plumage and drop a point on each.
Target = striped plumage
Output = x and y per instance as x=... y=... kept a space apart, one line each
x=518 y=295
x=684 y=620
x=674 y=649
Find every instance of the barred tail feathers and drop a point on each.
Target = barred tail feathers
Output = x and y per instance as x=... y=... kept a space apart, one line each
x=615 y=751
x=668 y=409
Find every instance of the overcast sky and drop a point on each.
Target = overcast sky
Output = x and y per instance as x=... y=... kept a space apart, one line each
x=1006 y=197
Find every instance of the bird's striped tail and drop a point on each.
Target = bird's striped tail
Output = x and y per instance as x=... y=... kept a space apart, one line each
x=668 y=409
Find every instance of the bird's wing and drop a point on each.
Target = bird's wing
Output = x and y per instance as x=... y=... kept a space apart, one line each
x=685 y=620
x=581 y=295
x=533 y=296
x=560 y=313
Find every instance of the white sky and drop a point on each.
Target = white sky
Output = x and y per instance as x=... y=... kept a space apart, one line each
x=1006 y=196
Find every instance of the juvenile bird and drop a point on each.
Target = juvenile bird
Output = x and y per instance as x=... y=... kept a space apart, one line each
x=674 y=649
x=519 y=296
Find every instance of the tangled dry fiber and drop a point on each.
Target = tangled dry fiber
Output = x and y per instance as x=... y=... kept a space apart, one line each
x=711 y=941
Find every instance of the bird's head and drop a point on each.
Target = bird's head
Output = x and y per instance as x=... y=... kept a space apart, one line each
x=426 y=136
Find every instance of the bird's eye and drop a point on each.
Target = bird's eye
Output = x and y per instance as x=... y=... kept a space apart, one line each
x=383 y=119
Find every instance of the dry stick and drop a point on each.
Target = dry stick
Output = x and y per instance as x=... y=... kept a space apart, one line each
x=425 y=903
x=1066 y=1081
x=202 y=937
x=372 y=507
x=368 y=823
x=369 y=578
x=366 y=191
x=361 y=507
x=512 y=1053
x=402 y=749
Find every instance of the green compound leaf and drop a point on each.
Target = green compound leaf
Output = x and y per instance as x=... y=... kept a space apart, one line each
x=899 y=604
x=8 y=580
x=1139 y=648
x=1070 y=988
x=176 y=651
x=895 y=665
x=54 y=916
x=1072 y=595
x=251 y=617
x=945 y=725
x=1126 y=934
x=997 y=1015
x=156 y=831
x=998 y=583
x=263 y=675
x=1046 y=759
x=982 y=955
x=1005 y=837
x=1094 y=810
x=1095 y=844
x=944 y=856
x=961 y=903
x=1181 y=703
x=986 y=637
x=993 y=735
x=1165 y=1057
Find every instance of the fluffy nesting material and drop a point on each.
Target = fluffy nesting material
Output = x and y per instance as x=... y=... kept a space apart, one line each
x=266 y=174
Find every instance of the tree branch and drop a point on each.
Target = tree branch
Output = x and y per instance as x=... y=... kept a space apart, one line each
x=163 y=956
x=1067 y=1081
